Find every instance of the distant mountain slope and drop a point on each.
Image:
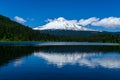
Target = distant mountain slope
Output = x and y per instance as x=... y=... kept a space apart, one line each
x=69 y=30
x=84 y=36
x=70 y=33
x=13 y=31
x=63 y=24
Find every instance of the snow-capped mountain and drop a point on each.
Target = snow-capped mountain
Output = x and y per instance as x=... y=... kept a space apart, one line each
x=62 y=24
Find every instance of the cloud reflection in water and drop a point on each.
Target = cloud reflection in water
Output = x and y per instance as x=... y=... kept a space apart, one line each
x=92 y=60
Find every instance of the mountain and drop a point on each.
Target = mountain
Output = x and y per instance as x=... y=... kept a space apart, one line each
x=62 y=24
x=70 y=30
x=13 y=31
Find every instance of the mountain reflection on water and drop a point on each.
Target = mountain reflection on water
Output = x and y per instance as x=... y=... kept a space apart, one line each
x=109 y=60
x=14 y=53
x=59 y=62
x=91 y=56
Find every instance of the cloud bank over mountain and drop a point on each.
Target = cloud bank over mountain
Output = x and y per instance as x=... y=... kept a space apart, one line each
x=88 y=21
x=109 y=22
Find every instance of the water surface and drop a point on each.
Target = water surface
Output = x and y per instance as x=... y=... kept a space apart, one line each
x=59 y=62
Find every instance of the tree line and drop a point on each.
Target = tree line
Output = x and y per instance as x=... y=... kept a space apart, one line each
x=13 y=31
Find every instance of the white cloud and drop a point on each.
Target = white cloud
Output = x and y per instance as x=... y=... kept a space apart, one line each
x=19 y=19
x=86 y=22
x=61 y=22
x=110 y=22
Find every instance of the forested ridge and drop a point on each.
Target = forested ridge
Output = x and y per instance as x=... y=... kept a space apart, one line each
x=13 y=31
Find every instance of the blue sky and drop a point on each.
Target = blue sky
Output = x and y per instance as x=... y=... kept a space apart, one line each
x=35 y=12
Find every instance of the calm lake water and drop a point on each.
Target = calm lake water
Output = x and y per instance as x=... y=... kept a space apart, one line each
x=59 y=62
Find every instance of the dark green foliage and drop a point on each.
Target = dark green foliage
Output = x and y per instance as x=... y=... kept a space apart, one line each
x=108 y=37
x=85 y=36
x=13 y=31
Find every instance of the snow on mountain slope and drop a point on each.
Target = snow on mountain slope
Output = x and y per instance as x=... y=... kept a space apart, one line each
x=62 y=24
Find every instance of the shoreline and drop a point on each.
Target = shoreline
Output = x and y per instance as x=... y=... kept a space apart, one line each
x=37 y=43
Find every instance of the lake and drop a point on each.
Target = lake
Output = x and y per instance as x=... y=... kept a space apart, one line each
x=59 y=61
